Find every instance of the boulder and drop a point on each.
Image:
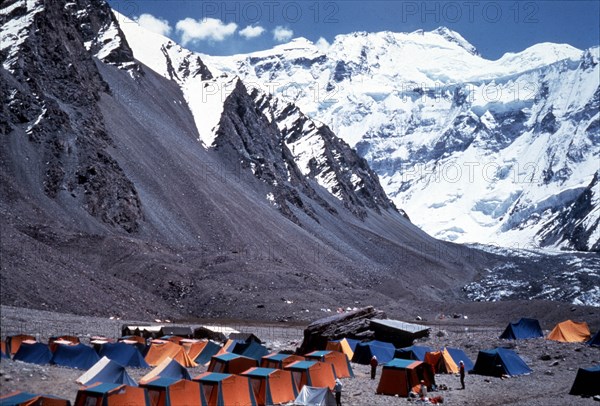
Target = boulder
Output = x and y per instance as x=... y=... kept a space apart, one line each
x=354 y=324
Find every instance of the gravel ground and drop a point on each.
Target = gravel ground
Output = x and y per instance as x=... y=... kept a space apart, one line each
x=549 y=383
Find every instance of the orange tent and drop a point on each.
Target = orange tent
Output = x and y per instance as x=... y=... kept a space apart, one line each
x=231 y=363
x=399 y=376
x=173 y=392
x=3 y=348
x=279 y=360
x=312 y=373
x=570 y=332
x=14 y=342
x=111 y=394
x=340 y=362
x=132 y=339
x=271 y=386
x=160 y=350
x=225 y=389
x=340 y=346
x=441 y=361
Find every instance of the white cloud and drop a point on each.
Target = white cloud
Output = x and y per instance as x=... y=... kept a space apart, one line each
x=322 y=44
x=252 y=31
x=151 y=23
x=211 y=29
x=282 y=34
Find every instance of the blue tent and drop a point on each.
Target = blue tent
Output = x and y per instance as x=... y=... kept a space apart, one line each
x=498 y=362
x=595 y=340
x=75 y=356
x=171 y=369
x=34 y=353
x=19 y=398
x=125 y=354
x=414 y=352
x=586 y=382
x=250 y=349
x=459 y=355
x=365 y=351
x=524 y=328
x=210 y=349
x=106 y=371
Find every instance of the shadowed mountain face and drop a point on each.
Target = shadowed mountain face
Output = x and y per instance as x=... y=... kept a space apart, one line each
x=110 y=204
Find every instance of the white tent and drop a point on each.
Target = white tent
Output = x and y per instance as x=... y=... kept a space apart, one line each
x=313 y=396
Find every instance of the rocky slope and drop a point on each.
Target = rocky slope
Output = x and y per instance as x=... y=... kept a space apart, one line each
x=123 y=196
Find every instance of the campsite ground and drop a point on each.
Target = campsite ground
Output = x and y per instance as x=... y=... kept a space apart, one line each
x=549 y=383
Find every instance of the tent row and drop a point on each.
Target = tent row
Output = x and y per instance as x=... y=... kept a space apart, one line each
x=255 y=386
x=400 y=376
x=567 y=331
x=80 y=356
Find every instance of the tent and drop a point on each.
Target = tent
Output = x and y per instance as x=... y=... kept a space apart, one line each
x=160 y=350
x=136 y=341
x=522 y=329
x=498 y=362
x=231 y=363
x=341 y=365
x=173 y=392
x=414 y=352
x=225 y=389
x=172 y=338
x=111 y=394
x=313 y=396
x=3 y=350
x=586 y=382
x=19 y=398
x=125 y=354
x=250 y=349
x=365 y=351
x=168 y=368
x=442 y=362
x=399 y=333
x=54 y=342
x=399 y=376
x=570 y=332
x=75 y=356
x=34 y=353
x=271 y=386
x=199 y=351
x=342 y=345
x=459 y=355
x=106 y=371
x=178 y=331
x=312 y=373
x=595 y=340
x=14 y=342
x=279 y=360
x=244 y=337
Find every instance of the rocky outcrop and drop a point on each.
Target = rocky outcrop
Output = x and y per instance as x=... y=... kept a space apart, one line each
x=353 y=324
x=51 y=91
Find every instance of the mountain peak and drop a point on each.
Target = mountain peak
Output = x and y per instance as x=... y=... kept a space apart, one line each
x=454 y=37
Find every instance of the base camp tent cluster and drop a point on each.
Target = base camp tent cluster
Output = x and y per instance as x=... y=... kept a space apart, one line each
x=242 y=371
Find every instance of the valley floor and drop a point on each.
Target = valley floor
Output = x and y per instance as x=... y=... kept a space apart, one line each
x=548 y=384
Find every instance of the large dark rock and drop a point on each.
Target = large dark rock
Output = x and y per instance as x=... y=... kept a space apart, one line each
x=354 y=324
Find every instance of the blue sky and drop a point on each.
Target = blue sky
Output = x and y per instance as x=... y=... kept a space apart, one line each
x=493 y=27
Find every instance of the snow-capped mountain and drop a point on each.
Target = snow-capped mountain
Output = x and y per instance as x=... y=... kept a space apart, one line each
x=474 y=150
x=169 y=188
